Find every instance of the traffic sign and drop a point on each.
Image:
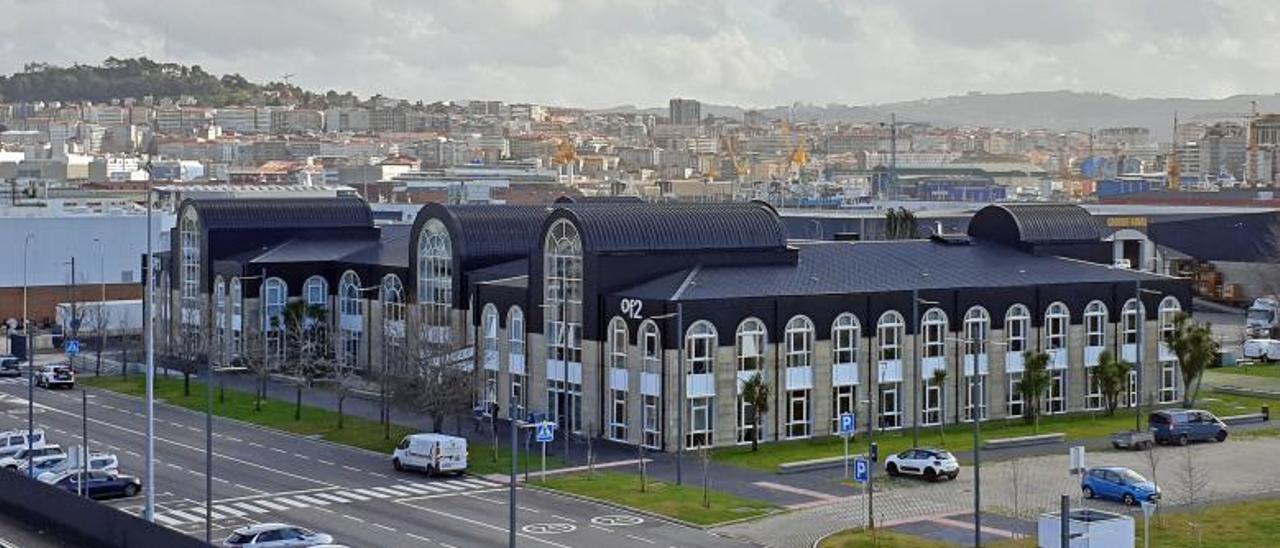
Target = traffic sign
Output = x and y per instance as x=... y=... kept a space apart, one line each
x=73 y=347
x=545 y=432
x=847 y=423
x=861 y=470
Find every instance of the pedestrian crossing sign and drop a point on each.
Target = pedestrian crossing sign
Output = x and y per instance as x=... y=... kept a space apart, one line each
x=546 y=432
x=73 y=347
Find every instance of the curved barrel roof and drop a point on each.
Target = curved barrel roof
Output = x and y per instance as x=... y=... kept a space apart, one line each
x=1035 y=224
x=483 y=234
x=276 y=213
x=621 y=227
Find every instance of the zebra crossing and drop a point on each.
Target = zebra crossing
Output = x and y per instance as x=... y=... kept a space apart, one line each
x=13 y=380
x=240 y=509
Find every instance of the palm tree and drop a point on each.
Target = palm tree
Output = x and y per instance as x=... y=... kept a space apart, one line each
x=1196 y=350
x=1111 y=374
x=755 y=393
x=939 y=379
x=1035 y=381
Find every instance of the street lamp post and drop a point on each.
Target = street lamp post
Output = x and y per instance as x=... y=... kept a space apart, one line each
x=1140 y=321
x=31 y=364
x=916 y=301
x=149 y=485
x=102 y=306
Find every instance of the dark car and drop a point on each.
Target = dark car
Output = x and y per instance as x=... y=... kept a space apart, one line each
x=101 y=485
x=1186 y=425
x=10 y=367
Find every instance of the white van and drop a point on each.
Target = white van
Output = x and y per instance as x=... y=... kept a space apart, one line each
x=431 y=453
x=13 y=441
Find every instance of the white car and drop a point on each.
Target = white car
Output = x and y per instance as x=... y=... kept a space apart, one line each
x=13 y=441
x=19 y=460
x=1262 y=349
x=275 y=535
x=98 y=462
x=55 y=376
x=930 y=464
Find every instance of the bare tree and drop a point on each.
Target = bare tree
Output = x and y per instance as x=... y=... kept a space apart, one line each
x=308 y=344
x=100 y=318
x=1016 y=477
x=346 y=382
x=1153 y=463
x=1194 y=480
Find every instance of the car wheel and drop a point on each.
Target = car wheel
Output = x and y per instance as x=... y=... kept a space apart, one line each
x=930 y=475
x=130 y=490
x=1115 y=445
x=1129 y=500
x=395 y=463
x=1221 y=436
x=892 y=469
x=431 y=471
x=1088 y=492
x=1182 y=439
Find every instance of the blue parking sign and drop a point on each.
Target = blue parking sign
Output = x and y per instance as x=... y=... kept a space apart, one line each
x=861 y=470
x=847 y=423
x=545 y=432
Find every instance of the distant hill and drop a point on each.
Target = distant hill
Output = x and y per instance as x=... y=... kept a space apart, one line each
x=1029 y=110
x=140 y=77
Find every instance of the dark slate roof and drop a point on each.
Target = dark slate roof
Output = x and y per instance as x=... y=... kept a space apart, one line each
x=1032 y=223
x=834 y=268
x=508 y=270
x=483 y=234
x=1252 y=237
x=566 y=199
x=277 y=213
x=390 y=249
x=674 y=227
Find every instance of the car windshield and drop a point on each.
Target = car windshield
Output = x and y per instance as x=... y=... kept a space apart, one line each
x=1259 y=315
x=239 y=538
x=1129 y=476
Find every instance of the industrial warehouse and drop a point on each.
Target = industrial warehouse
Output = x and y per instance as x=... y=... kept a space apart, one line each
x=639 y=322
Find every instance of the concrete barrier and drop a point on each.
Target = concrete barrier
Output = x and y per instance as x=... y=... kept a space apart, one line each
x=1248 y=418
x=82 y=521
x=814 y=464
x=1025 y=441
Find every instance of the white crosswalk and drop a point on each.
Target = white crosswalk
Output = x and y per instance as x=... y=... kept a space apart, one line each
x=176 y=517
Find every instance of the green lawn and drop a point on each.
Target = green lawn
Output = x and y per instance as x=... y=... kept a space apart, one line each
x=1251 y=523
x=683 y=502
x=960 y=437
x=1272 y=371
x=278 y=414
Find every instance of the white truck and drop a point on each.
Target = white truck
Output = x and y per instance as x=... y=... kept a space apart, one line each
x=431 y=453
x=1262 y=319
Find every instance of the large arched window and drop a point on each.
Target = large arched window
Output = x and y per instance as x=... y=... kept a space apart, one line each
x=192 y=308
x=1056 y=319
x=236 y=298
x=799 y=337
x=274 y=294
x=799 y=380
x=1017 y=325
x=392 y=296
x=316 y=292
x=435 y=281
x=1169 y=311
x=1129 y=322
x=934 y=326
x=1095 y=340
x=749 y=350
x=935 y=333
x=977 y=331
x=489 y=337
x=351 y=317
x=616 y=345
x=888 y=382
x=219 y=320
x=845 y=332
x=889 y=336
x=515 y=352
x=650 y=342
x=562 y=292
x=700 y=352
x=1095 y=324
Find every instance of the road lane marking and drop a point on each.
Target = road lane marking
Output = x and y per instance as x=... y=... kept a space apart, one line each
x=428 y=487
x=271 y=505
x=502 y=529
x=381 y=526
x=325 y=462
x=351 y=468
x=221 y=509
x=353 y=495
x=641 y=539
x=293 y=503
x=372 y=493
x=185 y=517
x=311 y=500
x=353 y=518
x=417 y=537
x=562 y=518
x=167 y=521
x=249 y=507
x=330 y=497
x=393 y=492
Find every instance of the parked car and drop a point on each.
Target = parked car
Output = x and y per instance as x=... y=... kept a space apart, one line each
x=275 y=535
x=10 y=366
x=18 y=461
x=1118 y=483
x=13 y=441
x=1264 y=350
x=100 y=485
x=98 y=462
x=931 y=464
x=56 y=376
x=1186 y=425
x=431 y=453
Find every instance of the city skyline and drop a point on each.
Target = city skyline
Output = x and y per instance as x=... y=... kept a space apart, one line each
x=600 y=55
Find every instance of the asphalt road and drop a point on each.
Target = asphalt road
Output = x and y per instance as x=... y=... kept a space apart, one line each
x=263 y=475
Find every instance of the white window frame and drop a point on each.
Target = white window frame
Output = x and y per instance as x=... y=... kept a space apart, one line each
x=1017 y=328
x=1093 y=390
x=799 y=342
x=700 y=348
x=889 y=334
x=562 y=292
x=700 y=435
x=889 y=418
x=350 y=305
x=275 y=295
x=842 y=401
x=618 y=415
x=749 y=346
x=845 y=332
x=799 y=414
x=1095 y=324
x=934 y=328
x=1130 y=320
x=1057 y=322
x=1014 y=402
x=435 y=281
x=931 y=407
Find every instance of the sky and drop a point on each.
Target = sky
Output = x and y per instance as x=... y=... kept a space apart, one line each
x=750 y=53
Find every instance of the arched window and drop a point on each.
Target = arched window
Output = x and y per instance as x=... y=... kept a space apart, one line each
x=750 y=345
x=219 y=320
x=1017 y=324
x=1169 y=311
x=935 y=333
x=700 y=352
x=351 y=320
x=889 y=335
x=650 y=341
x=515 y=351
x=845 y=332
x=435 y=281
x=562 y=292
x=1095 y=324
x=1056 y=319
x=274 y=294
x=617 y=343
x=489 y=337
x=236 y=298
x=799 y=342
x=192 y=308
x=316 y=292
x=977 y=329
x=1129 y=321
x=392 y=296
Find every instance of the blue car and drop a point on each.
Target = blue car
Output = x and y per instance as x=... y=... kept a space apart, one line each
x=100 y=485
x=1119 y=483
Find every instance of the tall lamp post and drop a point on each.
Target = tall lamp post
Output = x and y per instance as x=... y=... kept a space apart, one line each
x=102 y=305
x=149 y=485
x=31 y=364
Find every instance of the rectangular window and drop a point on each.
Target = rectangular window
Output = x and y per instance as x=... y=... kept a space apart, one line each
x=798 y=414
x=890 y=407
x=1017 y=335
x=517 y=387
x=1013 y=403
x=841 y=403
x=651 y=419
x=1131 y=386
x=700 y=426
x=490 y=386
x=1055 y=401
x=932 y=405
x=746 y=418
x=1168 y=382
x=1093 y=394
x=967 y=396
x=618 y=416
x=1095 y=334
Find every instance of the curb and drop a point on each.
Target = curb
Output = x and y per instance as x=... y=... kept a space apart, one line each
x=648 y=513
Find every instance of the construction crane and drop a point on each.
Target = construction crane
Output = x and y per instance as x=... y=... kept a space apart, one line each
x=1175 y=170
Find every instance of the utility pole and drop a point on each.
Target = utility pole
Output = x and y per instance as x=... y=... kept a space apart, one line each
x=31 y=364
x=102 y=307
x=916 y=369
x=682 y=404
x=208 y=449
x=977 y=455
x=149 y=485
x=75 y=315
x=515 y=455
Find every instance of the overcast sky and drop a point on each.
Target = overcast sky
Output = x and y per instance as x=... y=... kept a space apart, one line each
x=598 y=53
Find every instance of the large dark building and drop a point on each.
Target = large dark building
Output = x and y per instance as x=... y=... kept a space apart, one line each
x=640 y=322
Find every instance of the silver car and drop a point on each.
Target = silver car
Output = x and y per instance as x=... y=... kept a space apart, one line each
x=274 y=535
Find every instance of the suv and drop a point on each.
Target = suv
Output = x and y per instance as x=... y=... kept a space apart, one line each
x=56 y=376
x=14 y=441
x=10 y=367
x=1181 y=426
x=931 y=464
x=39 y=455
